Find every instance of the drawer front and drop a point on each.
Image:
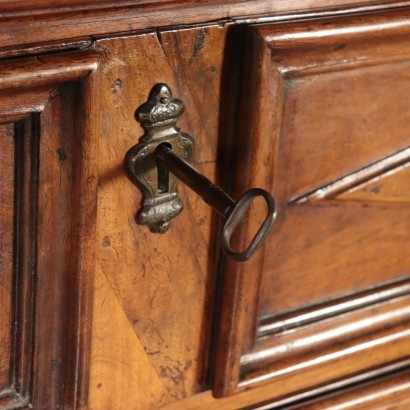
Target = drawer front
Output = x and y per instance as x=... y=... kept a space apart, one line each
x=47 y=204
x=323 y=123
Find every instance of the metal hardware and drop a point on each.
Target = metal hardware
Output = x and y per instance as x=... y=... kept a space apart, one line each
x=158 y=117
x=160 y=160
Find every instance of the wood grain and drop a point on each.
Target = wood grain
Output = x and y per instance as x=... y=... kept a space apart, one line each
x=393 y=186
x=376 y=395
x=53 y=202
x=312 y=118
x=33 y=72
x=367 y=385
x=362 y=178
x=341 y=342
x=160 y=286
x=6 y=250
x=319 y=316
x=23 y=22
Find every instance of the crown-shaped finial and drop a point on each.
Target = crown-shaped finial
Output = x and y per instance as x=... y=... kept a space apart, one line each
x=160 y=109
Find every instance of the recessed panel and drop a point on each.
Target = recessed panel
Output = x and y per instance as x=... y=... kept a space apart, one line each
x=6 y=251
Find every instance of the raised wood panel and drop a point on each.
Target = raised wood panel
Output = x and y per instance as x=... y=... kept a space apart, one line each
x=308 y=256
x=360 y=122
x=48 y=209
x=322 y=116
x=357 y=132
x=363 y=177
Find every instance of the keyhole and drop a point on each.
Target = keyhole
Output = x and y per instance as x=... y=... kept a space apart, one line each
x=163 y=175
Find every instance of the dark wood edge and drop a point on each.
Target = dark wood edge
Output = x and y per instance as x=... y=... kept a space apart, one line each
x=24 y=7
x=19 y=8
x=55 y=69
x=373 y=377
x=300 y=317
x=361 y=27
x=61 y=46
x=238 y=314
x=26 y=177
x=315 y=339
x=84 y=232
x=371 y=394
x=41 y=25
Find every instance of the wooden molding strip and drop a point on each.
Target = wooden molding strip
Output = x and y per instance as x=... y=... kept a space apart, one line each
x=21 y=22
x=301 y=317
x=355 y=178
x=358 y=383
x=345 y=29
x=297 y=355
x=375 y=394
x=27 y=50
x=34 y=72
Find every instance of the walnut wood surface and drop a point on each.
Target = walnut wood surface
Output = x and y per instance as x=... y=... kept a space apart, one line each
x=154 y=294
x=36 y=72
x=392 y=186
x=162 y=348
x=320 y=119
x=391 y=392
x=26 y=23
x=322 y=101
x=378 y=134
x=365 y=390
x=6 y=249
x=50 y=184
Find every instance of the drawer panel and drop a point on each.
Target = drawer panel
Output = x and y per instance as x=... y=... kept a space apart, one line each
x=47 y=202
x=343 y=107
x=322 y=123
x=338 y=120
x=334 y=249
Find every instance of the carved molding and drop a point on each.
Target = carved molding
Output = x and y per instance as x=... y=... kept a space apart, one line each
x=52 y=102
x=393 y=162
x=22 y=21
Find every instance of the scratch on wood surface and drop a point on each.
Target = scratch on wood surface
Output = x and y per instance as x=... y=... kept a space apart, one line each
x=111 y=63
x=198 y=44
x=164 y=51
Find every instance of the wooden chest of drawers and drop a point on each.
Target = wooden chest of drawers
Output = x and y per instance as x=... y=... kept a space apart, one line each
x=308 y=100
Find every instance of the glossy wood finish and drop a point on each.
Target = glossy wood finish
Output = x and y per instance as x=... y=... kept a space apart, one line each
x=335 y=127
x=6 y=249
x=49 y=140
x=154 y=295
x=26 y=23
x=320 y=119
x=391 y=392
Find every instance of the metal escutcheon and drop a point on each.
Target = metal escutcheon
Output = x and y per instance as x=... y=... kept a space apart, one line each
x=160 y=160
